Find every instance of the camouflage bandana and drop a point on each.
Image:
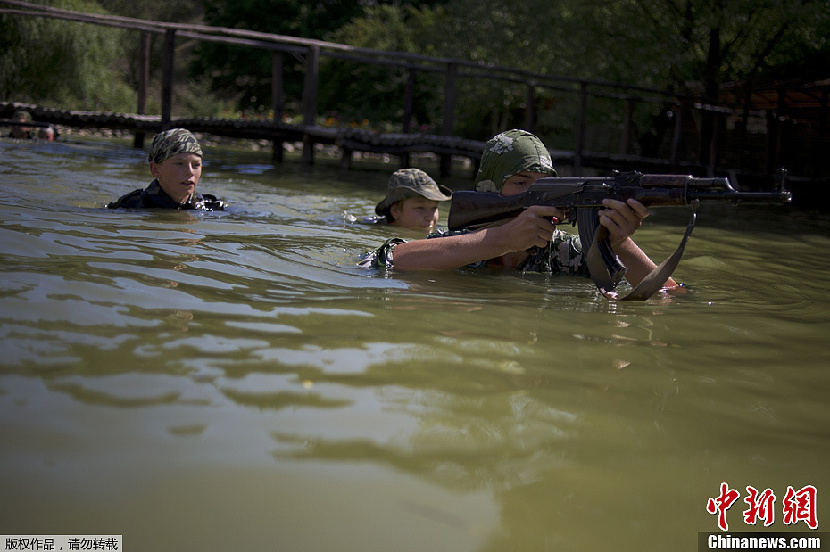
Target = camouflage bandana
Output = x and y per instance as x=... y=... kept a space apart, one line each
x=407 y=183
x=22 y=116
x=509 y=153
x=171 y=142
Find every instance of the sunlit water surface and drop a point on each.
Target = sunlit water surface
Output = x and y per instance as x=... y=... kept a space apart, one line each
x=232 y=381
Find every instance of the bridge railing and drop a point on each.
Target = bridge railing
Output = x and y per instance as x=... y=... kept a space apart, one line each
x=452 y=70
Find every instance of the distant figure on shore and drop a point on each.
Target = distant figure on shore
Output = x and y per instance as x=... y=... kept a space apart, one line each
x=411 y=201
x=176 y=163
x=21 y=132
x=46 y=133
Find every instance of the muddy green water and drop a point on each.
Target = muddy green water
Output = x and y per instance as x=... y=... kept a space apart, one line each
x=231 y=381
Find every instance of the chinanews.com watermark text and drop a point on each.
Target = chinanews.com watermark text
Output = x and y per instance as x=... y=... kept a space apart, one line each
x=761 y=541
x=799 y=506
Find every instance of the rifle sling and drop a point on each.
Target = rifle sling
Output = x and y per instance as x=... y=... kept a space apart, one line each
x=600 y=258
x=651 y=284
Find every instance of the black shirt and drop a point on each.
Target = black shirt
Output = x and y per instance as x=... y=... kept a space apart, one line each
x=153 y=197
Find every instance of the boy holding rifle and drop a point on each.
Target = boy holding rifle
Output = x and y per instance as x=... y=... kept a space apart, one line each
x=512 y=161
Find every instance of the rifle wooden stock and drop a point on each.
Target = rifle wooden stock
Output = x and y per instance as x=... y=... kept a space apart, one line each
x=471 y=209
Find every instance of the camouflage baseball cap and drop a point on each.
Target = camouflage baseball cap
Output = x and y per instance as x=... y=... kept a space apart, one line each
x=407 y=183
x=509 y=153
x=21 y=115
x=171 y=142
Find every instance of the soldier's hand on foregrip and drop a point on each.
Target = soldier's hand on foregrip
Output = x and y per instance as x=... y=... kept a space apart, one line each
x=622 y=219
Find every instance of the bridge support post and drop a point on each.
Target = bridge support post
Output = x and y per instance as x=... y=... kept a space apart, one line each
x=277 y=98
x=167 y=78
x=677 y=138
x=449 y=113
x=775 y=132
x=628 y=125
x=312 y=75
x=580 y=128
x=408 y=102
x=346 y=158
x=530 y=110
x=143 y=79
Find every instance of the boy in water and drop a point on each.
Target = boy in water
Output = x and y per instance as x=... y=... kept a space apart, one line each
x=510 y=164
x=46 y=133
x=411 y=201
x=176 y=163
x=21 y=132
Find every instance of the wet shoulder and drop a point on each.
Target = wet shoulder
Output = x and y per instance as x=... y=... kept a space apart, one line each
x=132 y=200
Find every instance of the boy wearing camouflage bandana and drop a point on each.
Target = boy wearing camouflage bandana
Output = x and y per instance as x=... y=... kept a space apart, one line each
x=176 y=163
x=512 y=161
x=412 y=199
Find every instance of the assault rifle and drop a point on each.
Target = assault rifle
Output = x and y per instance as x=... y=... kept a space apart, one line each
x=580 y=198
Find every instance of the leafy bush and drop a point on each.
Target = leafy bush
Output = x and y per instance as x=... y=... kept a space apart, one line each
x=67 y=64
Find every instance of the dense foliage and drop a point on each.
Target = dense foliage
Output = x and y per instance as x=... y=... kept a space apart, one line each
x=65 y=64
x=354 y=92
x=671 y=45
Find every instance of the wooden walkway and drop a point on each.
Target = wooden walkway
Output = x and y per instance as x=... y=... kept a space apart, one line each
x=349 y=140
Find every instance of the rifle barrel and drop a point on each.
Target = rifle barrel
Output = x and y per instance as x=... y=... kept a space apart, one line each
x=783 y=196
x=470 y=208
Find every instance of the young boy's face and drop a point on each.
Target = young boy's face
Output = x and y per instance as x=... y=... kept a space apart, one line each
x=18 y=131
x=415 y=212
x=178 y=175
x=520 y=182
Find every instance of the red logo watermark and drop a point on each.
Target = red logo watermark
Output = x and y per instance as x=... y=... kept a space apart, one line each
x=798 y=505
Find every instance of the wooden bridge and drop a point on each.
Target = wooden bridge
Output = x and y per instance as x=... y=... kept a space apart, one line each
x=349 y=140
x=775 y=111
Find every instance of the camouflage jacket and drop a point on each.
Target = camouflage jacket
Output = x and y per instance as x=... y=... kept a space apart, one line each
x=563 y=255
x=153 y=197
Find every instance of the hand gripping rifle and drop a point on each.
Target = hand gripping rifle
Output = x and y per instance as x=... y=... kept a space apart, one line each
x=581 y=199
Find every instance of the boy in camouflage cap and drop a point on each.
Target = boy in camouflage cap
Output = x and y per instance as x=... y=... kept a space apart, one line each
x=412 y=198
x=511 y=153
x=512 y=161
x=21 y=132
x=176 y=163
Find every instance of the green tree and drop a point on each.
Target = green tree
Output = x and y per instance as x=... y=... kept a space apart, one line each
x=355 y=91
x=680 y=46
x=244 y=74
x=537 y=36
x=175 y=11
x=696 y=46
x=63 y=63
x=178 y=11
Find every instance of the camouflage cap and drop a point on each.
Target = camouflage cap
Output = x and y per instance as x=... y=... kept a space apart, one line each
x=509 y=153
x=21 y=115
x=171 y=142
x=407 y=183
